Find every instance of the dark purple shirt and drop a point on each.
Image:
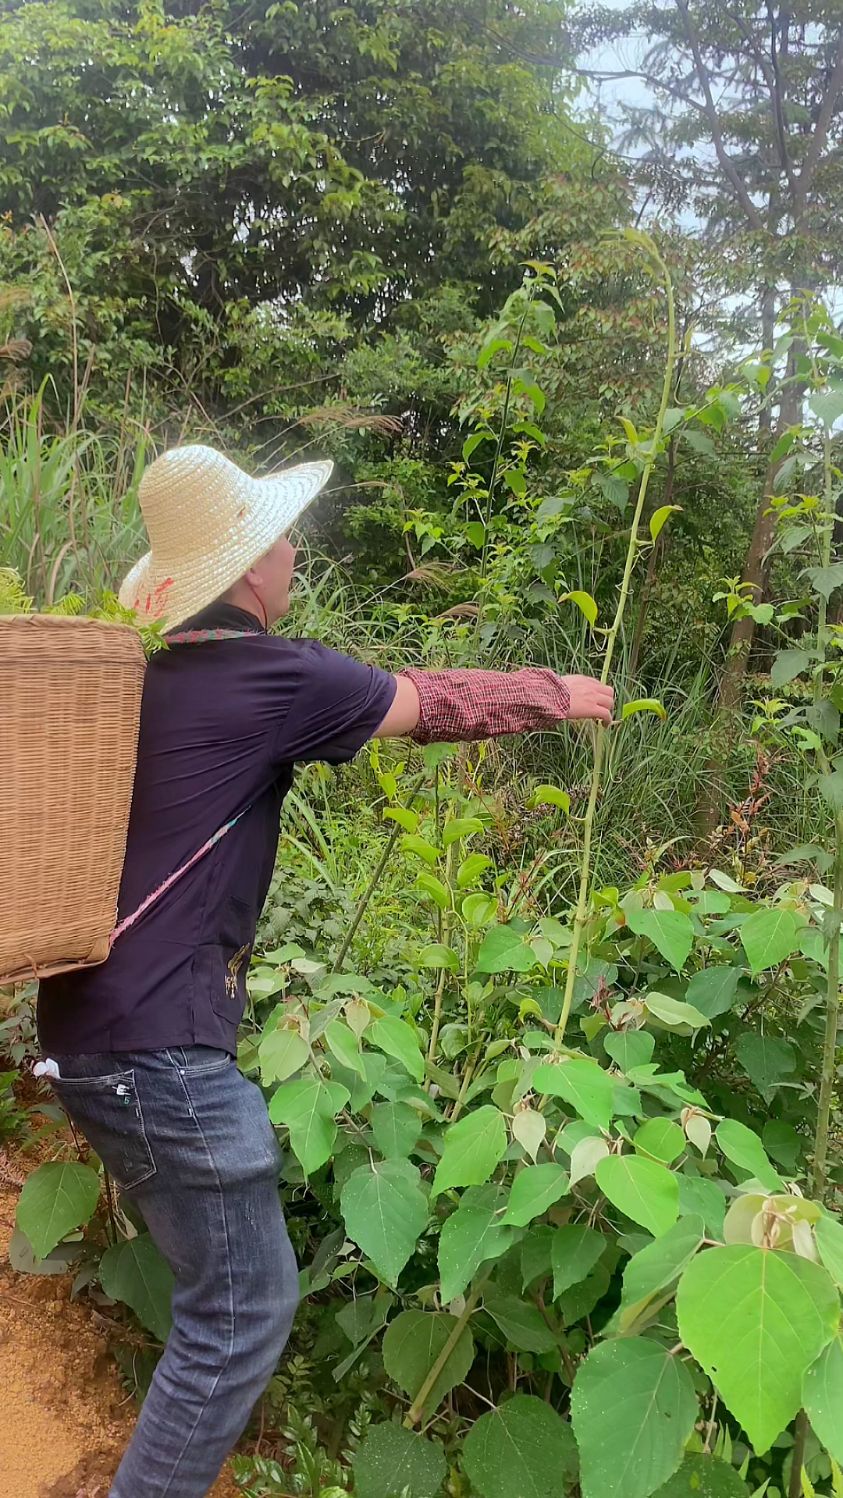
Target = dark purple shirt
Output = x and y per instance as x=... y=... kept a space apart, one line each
x=222 y=725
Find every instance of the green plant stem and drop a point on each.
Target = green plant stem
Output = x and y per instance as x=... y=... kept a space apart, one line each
x=437 y=1017
x=459 y=1101
x=444 y=925
x=828 y=1074
x=416 y=1410
x=600 y=735
x=375 y=880
x=800 y=1435
x=825 y=560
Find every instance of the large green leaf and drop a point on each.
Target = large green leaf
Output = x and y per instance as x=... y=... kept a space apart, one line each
x=473 y=1147
x=391 y=1461
x=633 y=1407
x=470 y=1236
x=822 y=1396
x=396 y=1127
x=281 y=1053
x=829 y=1235
x=397 y=1039
x=414 y=1341
x=520 y=1321
x=713 y=991
x=505 y=950
x=629 y=1048
x=343 y=1043
x=766 y=1059
x=522 y=1450
x=661 y=1138
x=827 y=405
x=136 y=1273
x=534 y=1189
x=740 y=1145
x=756 y=1319
x=787 y=665
x=582 y=1083
x=56 y=1198
x=670 y=931
x=769 y=936
x=385 y=1210
x=826 y=579
x=699 y=1197
x=574 y=1251
x=642 y=1189
x=674 y=1013
x=658 y=1265
x=704 y=1477
x=536 y=1253
x=307 y=1108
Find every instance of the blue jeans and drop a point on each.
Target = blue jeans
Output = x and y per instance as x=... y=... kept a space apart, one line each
x=188 y=1140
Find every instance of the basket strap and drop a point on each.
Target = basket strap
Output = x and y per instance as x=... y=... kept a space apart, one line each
x=174 y=878
x=199 y=636
x=187 y=637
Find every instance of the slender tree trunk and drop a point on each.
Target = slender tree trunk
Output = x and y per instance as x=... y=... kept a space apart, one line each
x=653 y=562
x=756 y=573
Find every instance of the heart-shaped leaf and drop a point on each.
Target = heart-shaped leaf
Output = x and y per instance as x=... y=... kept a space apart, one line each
x=670 y=931
x=413 y=1343
x=769 y=936
x=642 y=1189
x=473 y=1147
x=392 y=1460
x=56 y=1198
x=633 y=1408
x=522 y=1450
x=774 y=1315
x=385 y=1210
x=822 y=1396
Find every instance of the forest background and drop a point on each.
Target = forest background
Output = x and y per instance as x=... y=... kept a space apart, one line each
x=555 y=288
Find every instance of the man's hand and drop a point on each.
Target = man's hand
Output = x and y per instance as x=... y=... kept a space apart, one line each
x=589 y=698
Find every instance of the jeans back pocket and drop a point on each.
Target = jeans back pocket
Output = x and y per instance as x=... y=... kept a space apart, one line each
x=107 y=1110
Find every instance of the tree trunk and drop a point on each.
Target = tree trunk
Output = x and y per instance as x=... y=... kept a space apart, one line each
x=652 y=569
x=755 y=572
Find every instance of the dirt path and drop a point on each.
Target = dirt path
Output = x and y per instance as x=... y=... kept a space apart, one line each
x=64 y=1417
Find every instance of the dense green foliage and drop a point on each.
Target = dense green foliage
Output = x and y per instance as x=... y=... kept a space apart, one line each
x=556 y=1079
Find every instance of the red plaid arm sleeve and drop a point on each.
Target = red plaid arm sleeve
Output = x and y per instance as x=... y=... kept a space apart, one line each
x=468 y=705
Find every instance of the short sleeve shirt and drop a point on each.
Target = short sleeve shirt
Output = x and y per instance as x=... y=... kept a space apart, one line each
x=223 y=723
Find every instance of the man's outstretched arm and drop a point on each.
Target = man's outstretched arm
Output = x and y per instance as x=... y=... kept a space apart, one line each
x=465 y=705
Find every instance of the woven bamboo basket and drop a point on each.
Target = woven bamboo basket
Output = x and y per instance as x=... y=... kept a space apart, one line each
x=70 y=694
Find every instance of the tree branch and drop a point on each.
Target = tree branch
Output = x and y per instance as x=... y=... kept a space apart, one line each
x=775 y=84
x=608 y=75
x=713 y=120
x=820 y=135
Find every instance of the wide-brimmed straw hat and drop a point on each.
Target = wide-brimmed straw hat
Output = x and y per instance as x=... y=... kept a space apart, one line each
x=208 y=523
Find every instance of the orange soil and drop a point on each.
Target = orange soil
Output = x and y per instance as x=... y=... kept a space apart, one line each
x=64 y=1417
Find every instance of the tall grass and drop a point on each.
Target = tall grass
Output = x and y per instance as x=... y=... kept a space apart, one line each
x=69 y=519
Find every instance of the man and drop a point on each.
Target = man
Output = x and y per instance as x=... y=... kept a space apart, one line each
x=141 y=1048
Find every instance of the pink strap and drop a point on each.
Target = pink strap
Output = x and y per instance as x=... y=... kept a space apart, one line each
x=172 y=879
x=187 y=637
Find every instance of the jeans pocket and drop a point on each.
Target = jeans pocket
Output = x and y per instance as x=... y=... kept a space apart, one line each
x=200 y=1060
x=108 y=1112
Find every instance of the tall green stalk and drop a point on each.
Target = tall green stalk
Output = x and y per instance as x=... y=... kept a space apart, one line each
x=581 y=915
x=828 y=1074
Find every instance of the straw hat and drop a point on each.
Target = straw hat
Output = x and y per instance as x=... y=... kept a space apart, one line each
x=208 y=523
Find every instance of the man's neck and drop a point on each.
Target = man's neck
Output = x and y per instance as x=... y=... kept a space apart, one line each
x=226 y=614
